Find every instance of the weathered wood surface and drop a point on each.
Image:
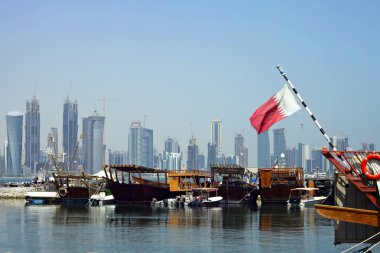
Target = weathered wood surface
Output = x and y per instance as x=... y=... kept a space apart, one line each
x=346 y=214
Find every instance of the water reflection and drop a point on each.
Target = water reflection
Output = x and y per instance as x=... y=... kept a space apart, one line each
x=280 y=216
x=142 y=228
x=233 y=217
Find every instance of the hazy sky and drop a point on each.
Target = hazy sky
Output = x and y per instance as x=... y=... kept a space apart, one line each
x=183 y=63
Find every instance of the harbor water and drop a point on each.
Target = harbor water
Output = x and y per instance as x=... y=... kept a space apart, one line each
x=56 y=228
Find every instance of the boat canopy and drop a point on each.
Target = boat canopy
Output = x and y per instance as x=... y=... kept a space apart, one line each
x=133 y=168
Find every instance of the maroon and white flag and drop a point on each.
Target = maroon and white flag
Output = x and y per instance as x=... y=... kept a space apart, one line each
x=278 y=107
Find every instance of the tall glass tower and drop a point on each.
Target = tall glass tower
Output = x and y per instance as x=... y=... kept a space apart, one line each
x=171 y=146
x=263 y=150
x=171 y=158
x=70 y=131
x=279 y=145
x=52 y=140
x=14 y=122
x=93 y=146
x=192 y=154
x=140 y=145
x=216 y=135
x=32 y=134
x=241 y=151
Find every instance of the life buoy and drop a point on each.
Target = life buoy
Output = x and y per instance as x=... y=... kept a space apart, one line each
x=62 y=192
x=364 y=167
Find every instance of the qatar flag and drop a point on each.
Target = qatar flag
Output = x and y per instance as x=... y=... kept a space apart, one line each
x=278 y=107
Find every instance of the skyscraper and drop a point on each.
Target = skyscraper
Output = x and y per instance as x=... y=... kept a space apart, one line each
x=216 y=135
x=211 y=154
x=70 y=131
x=172 y=146
x=14 y=122
x=140 y=145
x=93 y=146
x=279 y=145
x=52 y=140
x=32 y=134
x=263 y=150
x=241 y=151
x=171 y=158
x=192 y=154
x=341 y=143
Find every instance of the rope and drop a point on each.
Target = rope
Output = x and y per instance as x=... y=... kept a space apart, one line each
x=361 y=243
x=373 y=246
x=375 y=165
x=248 y=194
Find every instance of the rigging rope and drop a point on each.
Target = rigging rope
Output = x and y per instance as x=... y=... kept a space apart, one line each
x=361 y=243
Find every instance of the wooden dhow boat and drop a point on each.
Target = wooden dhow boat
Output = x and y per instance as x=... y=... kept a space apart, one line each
x=275 y=184
x=358 y=170
x=76 y=189
x=234 y=184
x=134 y=184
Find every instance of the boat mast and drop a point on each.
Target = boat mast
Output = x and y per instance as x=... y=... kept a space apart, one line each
x=307 y=108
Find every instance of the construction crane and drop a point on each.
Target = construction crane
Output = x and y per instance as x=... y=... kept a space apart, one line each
x=104 y=100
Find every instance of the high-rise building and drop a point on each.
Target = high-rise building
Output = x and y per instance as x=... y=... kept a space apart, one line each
x=5 y=169
x=140 y=145
x=171 y=158
x=241 y=151
x=263 y=150
x=52 y=141
x=340 y=143
x=291 y=156
x=2 y=163
x=118 y=157
x=367 y=147
x=171 y=161
x=300 y=155
x=216 y=135
x=318 y=160
x=211 y=154
x=192 y=154
x=70 y=132
x=201 y=161
x=279 y=145
x=32 y=134
x=14 y=121
x=93 y=146
x=172 y=146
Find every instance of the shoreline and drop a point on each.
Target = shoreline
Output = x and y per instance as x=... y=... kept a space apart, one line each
x=14 y=192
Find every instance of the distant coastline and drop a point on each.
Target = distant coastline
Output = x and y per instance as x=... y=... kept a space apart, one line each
x=13 y=187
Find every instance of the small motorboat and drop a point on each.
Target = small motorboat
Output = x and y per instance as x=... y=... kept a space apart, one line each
x=205 y=197
x=305 y=196
x=169 y=203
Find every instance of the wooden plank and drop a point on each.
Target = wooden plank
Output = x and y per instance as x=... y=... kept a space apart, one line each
x=347 y=214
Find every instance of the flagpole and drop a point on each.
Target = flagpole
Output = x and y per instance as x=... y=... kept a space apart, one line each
x=307 y=108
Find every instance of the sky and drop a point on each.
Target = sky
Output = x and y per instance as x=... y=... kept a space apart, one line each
x=184 y=63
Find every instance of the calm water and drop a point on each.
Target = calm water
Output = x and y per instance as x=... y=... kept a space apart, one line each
x=26 y=228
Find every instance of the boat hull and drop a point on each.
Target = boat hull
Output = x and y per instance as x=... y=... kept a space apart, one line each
x=237 y=195
x=75 y=195
x=138 y=193
x=42 y=198
x=277 y=194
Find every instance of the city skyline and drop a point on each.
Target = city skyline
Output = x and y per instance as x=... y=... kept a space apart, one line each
x=140 y=146
x=156 y=63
